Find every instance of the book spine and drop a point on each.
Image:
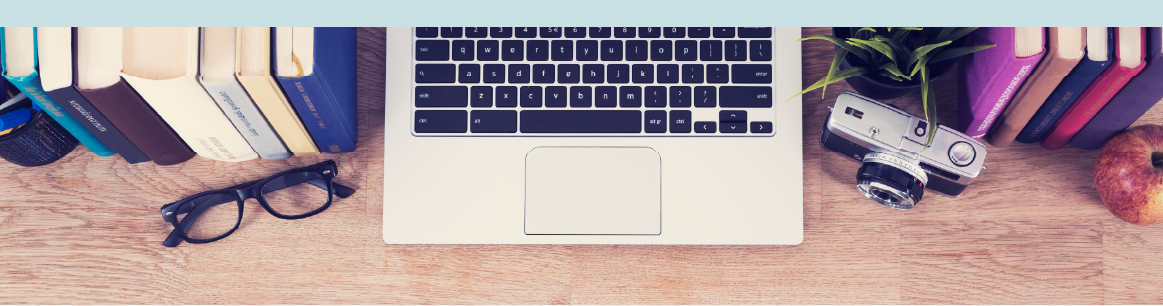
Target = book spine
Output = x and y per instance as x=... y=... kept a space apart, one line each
x=96 y=123
x=984 y=112
x=1134 y=100
x=186 y=107
x=278 y=111
x=1050 y=72
x=1093 y=99
x=241 y=111
x=125 y=109
x=30 y=85
x=317 y=110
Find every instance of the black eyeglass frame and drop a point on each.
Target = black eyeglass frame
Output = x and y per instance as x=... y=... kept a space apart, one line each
x=328 y=170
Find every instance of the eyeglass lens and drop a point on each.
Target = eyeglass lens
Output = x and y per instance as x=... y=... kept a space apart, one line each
x=216 y=215
x=296 y=194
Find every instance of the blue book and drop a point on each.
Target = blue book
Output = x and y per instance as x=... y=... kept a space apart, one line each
x=30 y=85
x=324 y=95
x=1134 y=100
x=1066 y=93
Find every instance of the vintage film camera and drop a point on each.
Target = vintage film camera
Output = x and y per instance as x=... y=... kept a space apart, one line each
x=890 y=144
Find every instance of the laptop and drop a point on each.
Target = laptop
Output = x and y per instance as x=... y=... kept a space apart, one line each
x=593 y=135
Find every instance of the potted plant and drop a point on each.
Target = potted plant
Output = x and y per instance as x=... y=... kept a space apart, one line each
x=886 y=63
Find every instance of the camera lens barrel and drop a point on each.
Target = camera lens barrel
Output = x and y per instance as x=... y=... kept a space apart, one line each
x=891 y=181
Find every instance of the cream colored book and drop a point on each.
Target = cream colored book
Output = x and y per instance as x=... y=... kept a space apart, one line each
x=162 y=65
x=253 y=70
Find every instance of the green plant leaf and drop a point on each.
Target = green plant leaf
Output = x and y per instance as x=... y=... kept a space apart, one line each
x=920 y=64
x=840 y=42
x=864 y=29
x=911 y=28
x=900 y=35
x=898 y=49
x=878 y=46
x=956 y=52
x=929 y=100
x=844 y=74
x=922 y=51
x=893 y=77
x=893 y=72
x=835 y=65
x=954 y=34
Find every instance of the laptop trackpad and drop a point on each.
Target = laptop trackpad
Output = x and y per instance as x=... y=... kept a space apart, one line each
x=593 y=191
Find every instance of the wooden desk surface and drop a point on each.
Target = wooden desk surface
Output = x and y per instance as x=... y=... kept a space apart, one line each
x=1031 y=230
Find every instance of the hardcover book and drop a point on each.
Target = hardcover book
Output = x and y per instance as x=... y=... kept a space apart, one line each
x=316 y=67
x=1130 y=58
x=254 y=72
x=991 y=77
x=1066 y=48
x=1099 y=49
x=1138 y=96
x=217 y=76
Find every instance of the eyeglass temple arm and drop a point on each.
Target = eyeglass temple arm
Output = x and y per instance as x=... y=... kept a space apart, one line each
x=292 y=180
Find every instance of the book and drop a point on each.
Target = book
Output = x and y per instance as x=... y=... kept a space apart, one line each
x=1099 y=47
x=57 y=65
x=19 y=67
x=990 y=77
x=217 y=76
x=1130 y=58
x=162 y=65
x=254 y=72
x=98 y=79
x=1066 y=48
x=1138 y=96
x=316 y=68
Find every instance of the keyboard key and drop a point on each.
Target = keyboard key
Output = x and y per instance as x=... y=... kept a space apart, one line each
x=761 y=127
x=587 y=50
x=686 y=50
x=506 y=96
x=680 y=121
x=552 y=32
x=624 y=32
x=562 y=50
x=630 y=96
x=451 y=32
x=593 y=73
x=660 y=50
x=692 y=73
x=618 y=73
x=680 y=96
x=600 y=32
x=733 y=127
x=477 y=32
x=575 y=32
x=525 y=32
x=637 y=50
x=518 y=73
x=751 y=73
x=431 y=50
x=543 y=73
x=537 y=50
x=530 y=96
x=643 y=73
x=568 y=73
x=493 y=121
x=441 y=96
x=581 y=121
x=646 y=32
x=512 y=50
x=754 y=32
x=761 y=50
x=606 y=96
x=469 y=73
x=745 y=96
x=717 y=73
x=735 y=50
x=506 y=32
x=710 y=50
x=427 y=32
x=487 y=50
x=668 y=73
x=462 y=50
x=441 y=121
x=435 y=73
x=555 y=96
x=655 y=121
x=705 y=127
x=693 y=32
x=731 y=116
x=612 y=50
x=724 y=32
x=655 y=96
x=674 y=32
x=494 y=73
x=705 y=96
x=580 y=97
x=481 y=96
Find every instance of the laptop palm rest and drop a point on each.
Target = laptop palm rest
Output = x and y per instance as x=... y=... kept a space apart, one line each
x=593 y=191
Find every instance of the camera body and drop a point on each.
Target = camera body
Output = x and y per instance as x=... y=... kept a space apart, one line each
x=896 y=168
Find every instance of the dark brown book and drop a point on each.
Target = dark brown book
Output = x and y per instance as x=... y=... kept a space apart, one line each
x=126 y=110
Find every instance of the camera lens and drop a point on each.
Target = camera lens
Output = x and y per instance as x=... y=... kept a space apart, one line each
x=891 y=181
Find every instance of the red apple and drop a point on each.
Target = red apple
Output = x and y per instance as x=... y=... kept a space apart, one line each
x=1129 y=175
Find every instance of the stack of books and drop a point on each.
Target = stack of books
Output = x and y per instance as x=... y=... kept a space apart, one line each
x=1073 y=85
x=168 y=94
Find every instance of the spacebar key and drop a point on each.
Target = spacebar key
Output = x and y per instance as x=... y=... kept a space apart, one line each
x=581 y=121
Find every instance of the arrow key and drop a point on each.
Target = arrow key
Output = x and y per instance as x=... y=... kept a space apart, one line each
x=734 y=116
x=705 y=127
x=733 y=127
x=761 y=127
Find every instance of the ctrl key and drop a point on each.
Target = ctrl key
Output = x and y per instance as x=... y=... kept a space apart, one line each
x=441 y=121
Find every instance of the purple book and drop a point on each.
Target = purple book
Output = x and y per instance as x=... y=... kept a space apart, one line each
x=1138 y=96
x=990 y=78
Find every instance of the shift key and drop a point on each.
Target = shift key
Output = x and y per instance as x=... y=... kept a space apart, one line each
x=441 y=96
x=745 y=96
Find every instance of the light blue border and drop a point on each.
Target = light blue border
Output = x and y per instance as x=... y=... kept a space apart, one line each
x=581 y=13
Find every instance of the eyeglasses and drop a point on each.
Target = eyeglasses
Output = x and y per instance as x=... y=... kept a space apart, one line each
x=291 y=194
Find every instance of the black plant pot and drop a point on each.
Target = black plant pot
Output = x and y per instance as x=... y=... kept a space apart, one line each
x=882 y=88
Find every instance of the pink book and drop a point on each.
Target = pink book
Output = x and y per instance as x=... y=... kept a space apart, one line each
x=990 y=78
x=1099 y=92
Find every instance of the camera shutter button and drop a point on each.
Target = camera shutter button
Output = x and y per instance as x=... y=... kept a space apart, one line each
x=962 y=153
x=920 y=129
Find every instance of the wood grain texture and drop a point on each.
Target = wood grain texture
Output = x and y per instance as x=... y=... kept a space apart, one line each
x=1031 y=230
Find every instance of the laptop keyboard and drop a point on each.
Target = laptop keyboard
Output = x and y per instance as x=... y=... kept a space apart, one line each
x=596 y=81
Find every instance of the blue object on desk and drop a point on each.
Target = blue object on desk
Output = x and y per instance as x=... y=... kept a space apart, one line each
x=14 y=118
